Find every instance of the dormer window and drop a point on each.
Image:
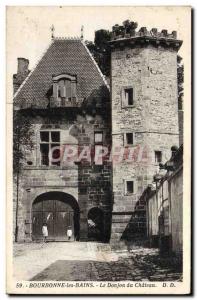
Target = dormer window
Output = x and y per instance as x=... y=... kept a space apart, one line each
x=64 y=88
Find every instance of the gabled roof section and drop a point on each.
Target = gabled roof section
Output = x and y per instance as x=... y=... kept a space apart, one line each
x=64 y=56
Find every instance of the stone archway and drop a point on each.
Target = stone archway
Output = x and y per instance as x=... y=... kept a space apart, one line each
x=59 y=210
x=95 y=224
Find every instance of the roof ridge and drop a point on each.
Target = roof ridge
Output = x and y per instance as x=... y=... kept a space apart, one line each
x=95 y=63
x=38 y=61
x=92 y=72
x=67 y=38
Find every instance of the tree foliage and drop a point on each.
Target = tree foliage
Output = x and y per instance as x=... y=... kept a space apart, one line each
x=101 y=53
x=100 y=50
x=22 y=134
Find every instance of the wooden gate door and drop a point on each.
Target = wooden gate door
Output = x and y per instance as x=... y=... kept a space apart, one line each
x=57 y=214
x=64 y=217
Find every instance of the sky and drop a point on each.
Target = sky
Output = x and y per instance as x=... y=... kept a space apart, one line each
x=28 y=27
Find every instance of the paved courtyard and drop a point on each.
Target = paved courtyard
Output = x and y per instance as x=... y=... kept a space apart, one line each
x=78 y=261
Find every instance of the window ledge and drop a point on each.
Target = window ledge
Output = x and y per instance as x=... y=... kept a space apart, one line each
x=49 y=167
x=128 y=106
x=157 y=164
x=129 y=145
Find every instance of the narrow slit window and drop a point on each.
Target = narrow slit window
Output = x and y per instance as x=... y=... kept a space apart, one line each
x=129 y=187
x=129 y=138
x=98 y=146
x=128 y=96
x=158 y=156
x=98 y=137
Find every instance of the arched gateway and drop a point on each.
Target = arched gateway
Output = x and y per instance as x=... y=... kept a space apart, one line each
x=59 y=210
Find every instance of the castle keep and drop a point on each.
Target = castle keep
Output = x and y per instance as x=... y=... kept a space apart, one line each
x=144 y=116
x=71 y=109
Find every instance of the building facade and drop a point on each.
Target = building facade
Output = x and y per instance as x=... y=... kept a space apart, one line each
x=66 y=100
x=71 y=110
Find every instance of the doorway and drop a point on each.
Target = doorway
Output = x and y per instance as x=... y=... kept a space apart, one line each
x=95 y=224
x=59 y=210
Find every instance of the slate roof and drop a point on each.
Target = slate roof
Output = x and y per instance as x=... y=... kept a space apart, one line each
x=69 y=56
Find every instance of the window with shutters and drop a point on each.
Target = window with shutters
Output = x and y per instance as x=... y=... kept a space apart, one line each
x=64 y=88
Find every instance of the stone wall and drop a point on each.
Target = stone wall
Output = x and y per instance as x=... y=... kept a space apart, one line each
x=176 y=195
x=181 y=126
x=95 y=180
x=165 y=209
x=152 y=73
x=88 y=183
x=157 y=203
x=165 y=213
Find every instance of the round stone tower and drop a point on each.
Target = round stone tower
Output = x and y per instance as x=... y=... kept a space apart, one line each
x=144 y=117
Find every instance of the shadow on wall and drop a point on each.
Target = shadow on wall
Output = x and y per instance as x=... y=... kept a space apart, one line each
x=99 y=225
x=95 y=224
x=135 y=233
x=99 y=98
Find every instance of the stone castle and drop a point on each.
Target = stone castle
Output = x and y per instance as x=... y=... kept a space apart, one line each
x=130 y=127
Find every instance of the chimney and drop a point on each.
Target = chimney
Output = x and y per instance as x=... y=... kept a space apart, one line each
x=23 y=65
x=22 y=72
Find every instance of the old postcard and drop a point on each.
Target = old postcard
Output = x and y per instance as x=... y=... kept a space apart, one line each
x=98 y=150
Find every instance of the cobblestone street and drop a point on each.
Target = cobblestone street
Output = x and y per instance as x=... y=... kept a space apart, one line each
x=91 y=261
